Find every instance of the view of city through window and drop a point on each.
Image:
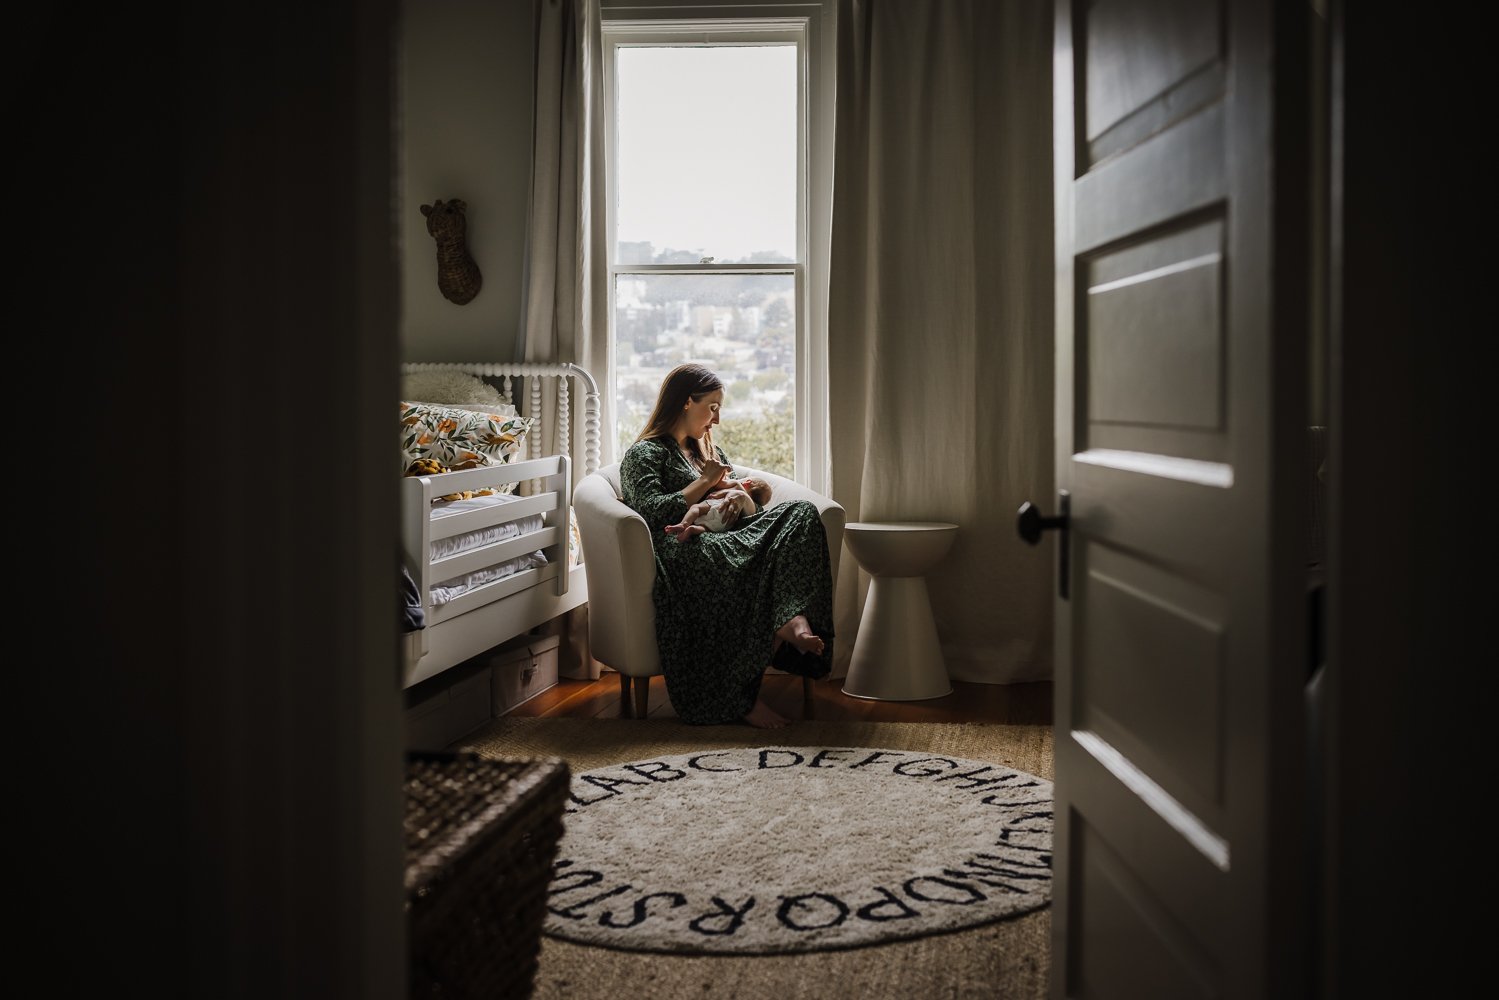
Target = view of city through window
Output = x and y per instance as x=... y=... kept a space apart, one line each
x=741 y=326
x=706 y=173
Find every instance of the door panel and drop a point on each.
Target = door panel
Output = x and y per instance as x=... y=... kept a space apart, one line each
x=1143 y=63
x=1129 y=935
x=1181 y=367
x=1151 y=662
x=1138 y=57
x=1153 y=326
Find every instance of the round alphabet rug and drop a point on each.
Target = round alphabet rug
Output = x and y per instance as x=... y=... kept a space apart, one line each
x=792 y=849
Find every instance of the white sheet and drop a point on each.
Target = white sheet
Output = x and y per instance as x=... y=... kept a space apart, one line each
x=444 y=592
x=444 y=547
x=447 y=590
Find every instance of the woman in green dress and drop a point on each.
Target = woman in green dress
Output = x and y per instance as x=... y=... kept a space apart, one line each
x=731 y=603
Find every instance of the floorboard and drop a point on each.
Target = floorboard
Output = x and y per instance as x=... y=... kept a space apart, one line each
x=1018 y=704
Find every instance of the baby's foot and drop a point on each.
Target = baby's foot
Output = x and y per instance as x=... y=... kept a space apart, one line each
x=672 y=529
x=762 y=716
x=691 y=531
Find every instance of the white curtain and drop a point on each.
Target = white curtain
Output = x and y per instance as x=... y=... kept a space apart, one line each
x=564 y=300
x=564 y=303
x=940 y=310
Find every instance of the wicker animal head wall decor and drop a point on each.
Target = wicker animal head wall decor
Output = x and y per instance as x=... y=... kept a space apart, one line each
x=458 y=277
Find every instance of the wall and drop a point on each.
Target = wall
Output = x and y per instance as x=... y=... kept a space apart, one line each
x=213 y=789
x=464 y=131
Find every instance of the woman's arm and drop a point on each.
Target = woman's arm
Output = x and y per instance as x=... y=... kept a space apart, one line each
x=640 y=481
x=727 y=486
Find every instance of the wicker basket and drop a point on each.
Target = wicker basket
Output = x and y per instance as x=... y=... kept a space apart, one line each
x=481 y=836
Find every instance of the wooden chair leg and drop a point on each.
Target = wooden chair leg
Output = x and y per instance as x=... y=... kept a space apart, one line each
x=642 y=696
x=809 y=705
x=624 y=696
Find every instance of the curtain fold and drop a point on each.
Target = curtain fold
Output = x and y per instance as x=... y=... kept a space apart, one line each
x=564 y=298
x=940 y=310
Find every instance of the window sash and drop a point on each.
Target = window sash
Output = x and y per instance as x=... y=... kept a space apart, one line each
x=702 y=28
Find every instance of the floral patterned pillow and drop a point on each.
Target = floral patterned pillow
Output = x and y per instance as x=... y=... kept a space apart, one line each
x=574 y=542
x=457 y=438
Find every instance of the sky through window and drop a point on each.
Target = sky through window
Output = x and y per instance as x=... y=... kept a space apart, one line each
x=707 y=151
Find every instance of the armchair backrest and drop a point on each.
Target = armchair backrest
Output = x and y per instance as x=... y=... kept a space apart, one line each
x=611 y=474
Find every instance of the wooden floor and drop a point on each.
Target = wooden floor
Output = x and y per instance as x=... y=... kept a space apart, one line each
x=1024 y=704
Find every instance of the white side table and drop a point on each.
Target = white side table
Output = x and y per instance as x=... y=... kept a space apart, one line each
x=897 y=656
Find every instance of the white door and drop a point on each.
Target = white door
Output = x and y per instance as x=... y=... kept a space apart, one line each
x=1180 y=423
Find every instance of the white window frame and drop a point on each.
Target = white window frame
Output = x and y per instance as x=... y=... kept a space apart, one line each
x=808 y=26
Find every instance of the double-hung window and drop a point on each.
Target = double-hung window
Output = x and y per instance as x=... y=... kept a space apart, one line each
x=708 y=203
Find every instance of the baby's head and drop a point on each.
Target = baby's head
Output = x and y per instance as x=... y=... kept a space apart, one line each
x=757 y=488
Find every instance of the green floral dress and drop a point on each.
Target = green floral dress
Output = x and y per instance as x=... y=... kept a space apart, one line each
x=721 y=595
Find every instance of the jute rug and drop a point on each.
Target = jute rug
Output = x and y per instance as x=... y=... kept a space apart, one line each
x=1006 y=958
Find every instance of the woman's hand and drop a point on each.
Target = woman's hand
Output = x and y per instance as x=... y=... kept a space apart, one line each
x=709 y=479
x=735 y=506
x=713 y=473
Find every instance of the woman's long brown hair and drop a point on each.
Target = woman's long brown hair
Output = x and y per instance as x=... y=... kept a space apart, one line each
x=684 y=382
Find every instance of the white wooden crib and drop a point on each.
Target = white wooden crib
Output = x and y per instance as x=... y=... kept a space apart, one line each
x=537 y=518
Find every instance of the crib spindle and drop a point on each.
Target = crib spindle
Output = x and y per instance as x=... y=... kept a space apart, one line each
x=591 y=430
x=564 y=418
x=535 y=412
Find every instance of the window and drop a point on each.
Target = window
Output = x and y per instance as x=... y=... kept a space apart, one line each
x=708 y=206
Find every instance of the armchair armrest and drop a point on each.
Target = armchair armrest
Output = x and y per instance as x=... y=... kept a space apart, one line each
x=783 y=490
x=621 y=569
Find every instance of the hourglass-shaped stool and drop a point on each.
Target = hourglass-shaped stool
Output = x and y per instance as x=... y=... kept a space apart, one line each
x=897 y=656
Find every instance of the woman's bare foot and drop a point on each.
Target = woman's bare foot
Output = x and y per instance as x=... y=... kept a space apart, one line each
x=799 y=633
x=807 y=642
x=762 y=716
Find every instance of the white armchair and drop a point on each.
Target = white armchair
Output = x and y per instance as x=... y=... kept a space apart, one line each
x=621 y=570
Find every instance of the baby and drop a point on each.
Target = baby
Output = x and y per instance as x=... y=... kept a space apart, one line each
x=707 y=514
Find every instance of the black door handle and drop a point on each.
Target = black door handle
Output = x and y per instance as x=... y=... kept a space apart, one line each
x=1030 y=523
